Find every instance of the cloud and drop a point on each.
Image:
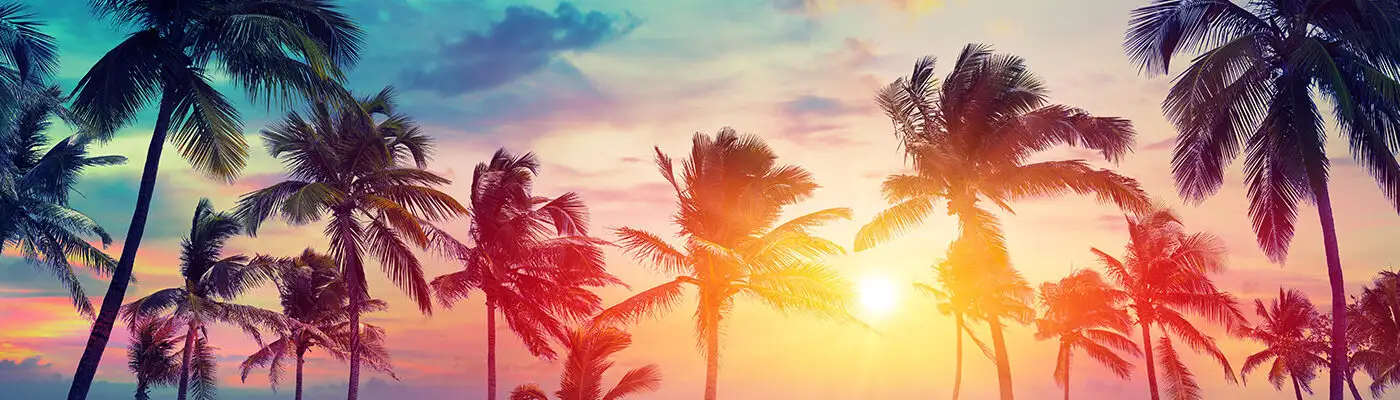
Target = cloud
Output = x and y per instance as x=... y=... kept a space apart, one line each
x=524 y=41
x=818 y=7
x=811 y=104
x=29 y=369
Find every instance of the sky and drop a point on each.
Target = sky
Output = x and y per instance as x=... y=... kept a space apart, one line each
x=591 y=86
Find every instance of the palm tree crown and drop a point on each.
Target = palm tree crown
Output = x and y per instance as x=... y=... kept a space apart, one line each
x=151 y=355
x=1377 y=327
x=1086 y=314
x=1287 y=328
x=588 y=351
x=28 y=56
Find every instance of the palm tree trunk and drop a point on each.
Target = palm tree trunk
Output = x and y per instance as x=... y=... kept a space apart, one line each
x=1067 y=381
x=353 y=392
x=142 y=389
x=1297 y=391
x=1003 y=361
x=957 y=369
x=1151 y=365
x=1334 y=278
x=490 y=350
x=301 y=361
x=712 y=351
x=1351 y=383
x=183 y=390
x=116 y=290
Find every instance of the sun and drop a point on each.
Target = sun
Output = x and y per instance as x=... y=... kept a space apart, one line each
x=878 y=295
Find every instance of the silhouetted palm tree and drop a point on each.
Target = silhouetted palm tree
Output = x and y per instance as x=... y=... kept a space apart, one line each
x=314 y=295
x=971 y=138
x=955 y=299
x=1376 y=324
x=211 y=281
x=1286 y=330
x=731 y=192
x=350 y=164
x=151 y=355
x=1255 y=86
x=1166 y=274
x=588 y=351
x=530 y=257
x=28 y=56
x=1087 y=314
x=273 y=49
x=35 y=184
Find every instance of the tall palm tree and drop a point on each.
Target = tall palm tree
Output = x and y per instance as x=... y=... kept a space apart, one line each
x=529 y=256
x=211 y=282
x=35 y=185
x=1286 y=330
x=1166 y=273
x=314 y=295
x=955 y=295
x=271 y=49
x=971 y=138
x=1376 y=317
x=730 y=193
x=361 y=166
x=151 y=355
x=1087 y=314
x=588 y=351
x=1255 y=85
x=28 y=56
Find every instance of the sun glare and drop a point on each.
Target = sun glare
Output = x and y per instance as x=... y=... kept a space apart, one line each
x=878 y=295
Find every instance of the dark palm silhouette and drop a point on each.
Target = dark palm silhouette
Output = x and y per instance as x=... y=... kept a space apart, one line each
x=971 y=138
x=1376 y=325
x=35 y=185
x=955 y=295
x=1165 y=272
x=731 y=192
x=1286 y=330
x=588 y=351
x=272 y=49
x=151 y=355
x=1255 y=86
x=530 y=257
x=315 y=297
x=28 y=56
x=1086 y=314
x=211 y=282
x=360 y=166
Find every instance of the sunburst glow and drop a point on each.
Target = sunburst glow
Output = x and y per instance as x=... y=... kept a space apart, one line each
x=878 y=295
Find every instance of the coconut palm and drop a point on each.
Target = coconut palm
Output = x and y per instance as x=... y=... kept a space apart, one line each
x=1086 y=314
x=529 y=256
x=313 y=294
x=360 y=166
x=211 y=282
x=272 y=49
x=28 y=56
x=35 y=184
x=1286 y=330
x=1376 y=325
x=954 y=293
x=972 y=137
x=151 y=355
x=588 y=351
x=1165 y=272
x=730 y=194
x=1258 y=75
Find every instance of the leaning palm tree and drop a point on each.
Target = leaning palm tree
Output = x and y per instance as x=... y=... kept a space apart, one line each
x=35 y=185
x=1376 y=317
x=529 y=256
x=1166 y=275
x=731 y=192
x=211 y=282
x=954 y=293
x=272 y=49
x=314 y=295
x=151 y=355
x=971 y=138
x=1087 y=314
x=361 y=166
x=1255 y=85
x=1286 y=330
x=28 y=56
x=588 y=351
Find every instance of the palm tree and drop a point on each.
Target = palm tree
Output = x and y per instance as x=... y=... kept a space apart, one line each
x=313 y=294
x=1166 y=275
x=151 y=355
x=955 y=294
x=28 y=56
x=1086 y=314
x=271 y=49
x=347 y=164
x=1285 y=328
x=730 y=193
x=35 y=184
x=588 y=351
x=971 y=138
x=1376 y=316
x=1255 y=85
x=211 y=282
x=530 y=257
